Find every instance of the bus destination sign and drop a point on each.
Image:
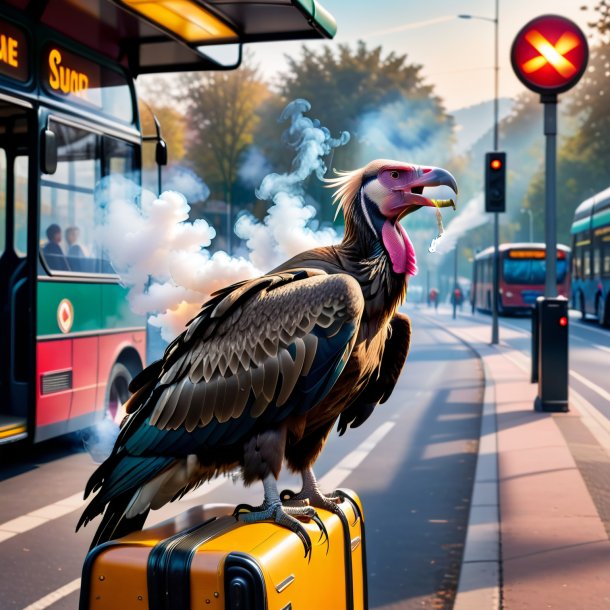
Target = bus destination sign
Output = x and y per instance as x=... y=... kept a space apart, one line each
x=13 y=52
x=71 y=76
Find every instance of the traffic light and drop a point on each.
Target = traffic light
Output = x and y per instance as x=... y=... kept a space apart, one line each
x=495 y=182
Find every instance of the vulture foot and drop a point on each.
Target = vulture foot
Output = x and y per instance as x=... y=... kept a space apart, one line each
x=315 y=498
x=284 y=516
x=311 y=495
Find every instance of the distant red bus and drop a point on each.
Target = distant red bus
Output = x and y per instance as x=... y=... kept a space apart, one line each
x=521 y=278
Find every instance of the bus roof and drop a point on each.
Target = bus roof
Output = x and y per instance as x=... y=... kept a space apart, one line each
x=585 y=208
x=138 y=35
x=517 y=246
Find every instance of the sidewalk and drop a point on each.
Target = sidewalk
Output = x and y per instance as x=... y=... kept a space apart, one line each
x=535 y=538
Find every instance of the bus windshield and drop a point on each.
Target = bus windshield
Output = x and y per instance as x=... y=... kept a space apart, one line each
x=530 y=271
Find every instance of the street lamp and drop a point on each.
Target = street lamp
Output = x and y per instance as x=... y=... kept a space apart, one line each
x=529 y=212
x=496 y=270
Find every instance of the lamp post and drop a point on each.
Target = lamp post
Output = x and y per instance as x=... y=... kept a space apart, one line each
x=496 y=259
x=529 y=213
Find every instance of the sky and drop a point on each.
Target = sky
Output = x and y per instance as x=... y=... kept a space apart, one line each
x=456 y=55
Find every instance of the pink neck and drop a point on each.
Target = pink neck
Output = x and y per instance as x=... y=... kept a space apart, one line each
x=399 y=247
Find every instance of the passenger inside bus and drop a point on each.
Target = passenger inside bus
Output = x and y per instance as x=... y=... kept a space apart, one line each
x=76 y=254
x=52 y=252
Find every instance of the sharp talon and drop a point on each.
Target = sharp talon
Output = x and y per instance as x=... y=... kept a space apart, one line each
x=302 y=534
x=323 y=531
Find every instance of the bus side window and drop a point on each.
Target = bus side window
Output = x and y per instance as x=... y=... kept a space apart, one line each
x=577 y=270
x=3 y=176
x=606 y=258
x=597 y=259
x=69 y=198
x=586 y=262
x=21 y=206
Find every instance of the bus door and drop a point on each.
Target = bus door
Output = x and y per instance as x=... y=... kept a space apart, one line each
x=17 y=141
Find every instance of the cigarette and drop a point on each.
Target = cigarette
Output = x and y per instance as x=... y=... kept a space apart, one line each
x=444 y=203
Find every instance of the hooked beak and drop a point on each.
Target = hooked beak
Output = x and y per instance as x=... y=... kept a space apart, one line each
x=413 y=198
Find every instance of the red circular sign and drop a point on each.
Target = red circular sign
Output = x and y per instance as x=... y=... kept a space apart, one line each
x=549 y=54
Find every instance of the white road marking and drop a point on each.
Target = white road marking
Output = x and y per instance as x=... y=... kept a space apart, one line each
x=573 y=337
x=335 y=476
x=51 y=598
x=40 y=516
x=600 y=331
x=331 y=480
x=592 y=386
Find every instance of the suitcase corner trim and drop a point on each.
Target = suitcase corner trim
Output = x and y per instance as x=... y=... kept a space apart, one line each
x=244 y=582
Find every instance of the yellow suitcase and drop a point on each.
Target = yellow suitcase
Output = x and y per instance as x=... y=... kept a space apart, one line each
x=206 y=560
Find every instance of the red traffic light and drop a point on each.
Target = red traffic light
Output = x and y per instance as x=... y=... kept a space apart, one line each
x=563 y=321
x=495 y=164
x=549 y=54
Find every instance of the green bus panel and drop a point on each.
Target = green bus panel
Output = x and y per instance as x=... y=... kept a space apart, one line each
x=95 y=307
x=581 y=225
x=601 y=219
x=86 y=301
x=116 y=312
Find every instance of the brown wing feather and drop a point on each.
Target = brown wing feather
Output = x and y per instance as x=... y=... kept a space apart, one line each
x=213 y=374
x=380 y=388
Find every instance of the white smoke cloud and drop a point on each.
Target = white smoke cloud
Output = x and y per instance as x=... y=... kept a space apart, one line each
x=254 y=166
x=160 y=256
x=405 y=129
x=286 y=229
x=473 y=215
x=163 y=258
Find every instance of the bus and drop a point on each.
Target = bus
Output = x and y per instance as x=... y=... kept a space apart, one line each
x=521 y=276
x=590 y=232
x=69 y=344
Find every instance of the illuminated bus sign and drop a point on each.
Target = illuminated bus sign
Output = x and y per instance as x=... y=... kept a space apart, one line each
x=13 y=52
x=536 y=254
x=71 y=76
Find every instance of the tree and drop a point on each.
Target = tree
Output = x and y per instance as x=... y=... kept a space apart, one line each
x=222 y=115
x=154 y=101
x=381 y=100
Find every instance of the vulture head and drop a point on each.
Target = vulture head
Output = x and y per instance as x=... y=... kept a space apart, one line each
x=374 y=199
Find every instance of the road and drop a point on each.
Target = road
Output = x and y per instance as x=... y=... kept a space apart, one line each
x=412 y=463
x=589 y=356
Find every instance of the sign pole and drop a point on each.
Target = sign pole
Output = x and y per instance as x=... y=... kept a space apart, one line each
x=550 y=209
x=495 y=327
x=549 y=55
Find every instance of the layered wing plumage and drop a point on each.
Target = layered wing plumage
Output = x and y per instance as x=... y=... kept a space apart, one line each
x=257 y=353
x=252 y=348
x=382 y=385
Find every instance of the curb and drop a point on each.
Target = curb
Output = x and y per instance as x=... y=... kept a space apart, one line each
x=480 y=576
x=479 y=585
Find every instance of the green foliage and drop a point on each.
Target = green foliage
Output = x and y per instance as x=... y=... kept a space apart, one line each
x=222 y=116
x=153 y=102
x=381 y=100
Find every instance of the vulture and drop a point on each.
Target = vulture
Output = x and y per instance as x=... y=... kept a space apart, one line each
x=263 y=372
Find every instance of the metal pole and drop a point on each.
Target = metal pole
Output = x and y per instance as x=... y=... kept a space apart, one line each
x=455 y=282
x=550 y=131
x=496 y=260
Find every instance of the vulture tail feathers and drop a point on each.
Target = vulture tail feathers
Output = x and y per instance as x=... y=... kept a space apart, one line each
x=144 y=377
x=114 y=523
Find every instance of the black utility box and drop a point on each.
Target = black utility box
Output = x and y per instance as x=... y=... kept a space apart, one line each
x=535 y=341
x=553 y=368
